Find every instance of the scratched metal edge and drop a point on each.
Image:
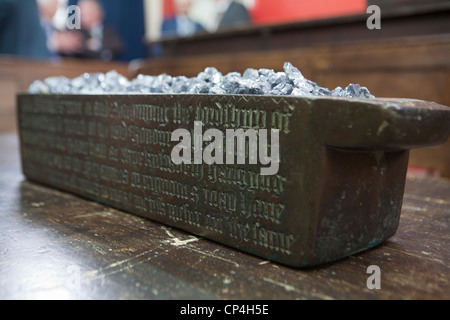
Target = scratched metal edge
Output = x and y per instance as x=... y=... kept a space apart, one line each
x=391 y=106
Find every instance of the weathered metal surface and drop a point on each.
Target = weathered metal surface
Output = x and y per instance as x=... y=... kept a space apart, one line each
x=338 y=190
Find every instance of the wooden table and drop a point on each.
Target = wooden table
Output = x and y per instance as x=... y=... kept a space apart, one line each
x=58 y=246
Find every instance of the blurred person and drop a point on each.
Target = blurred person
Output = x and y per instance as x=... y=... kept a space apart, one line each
x=231 y=13
x=58 y=42
x=94 y=40
x=47 y=10
x=101 y=40
x=21 y=32
x=181 y=24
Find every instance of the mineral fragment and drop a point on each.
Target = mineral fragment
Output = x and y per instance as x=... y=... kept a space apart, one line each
x=210 y=81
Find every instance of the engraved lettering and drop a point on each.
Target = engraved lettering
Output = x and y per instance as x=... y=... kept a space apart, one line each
x=214 y=223
x=274 y=240
x=156 y=206
x=184 y=215
x=220 y=199
x=119 y=131
x=122 y=154
x=239 y=231
x=100 y=109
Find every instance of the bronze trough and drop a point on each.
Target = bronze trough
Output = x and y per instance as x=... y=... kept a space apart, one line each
x=338 y=189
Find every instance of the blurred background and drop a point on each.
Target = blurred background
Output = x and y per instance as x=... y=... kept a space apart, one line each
x=138 y=20
x=333 y=43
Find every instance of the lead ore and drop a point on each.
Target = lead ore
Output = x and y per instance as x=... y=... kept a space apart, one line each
x=210 y=81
